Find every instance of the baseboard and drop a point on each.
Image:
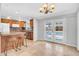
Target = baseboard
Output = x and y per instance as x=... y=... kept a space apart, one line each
x=70 y=45
x=60 y=43
x=40 y=40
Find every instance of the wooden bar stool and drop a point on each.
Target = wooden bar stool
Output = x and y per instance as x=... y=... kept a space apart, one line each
x=10 y=43
x=26 y=36
x=5 y=45
x=19 y=42
x=7 y=41
x=14 y=42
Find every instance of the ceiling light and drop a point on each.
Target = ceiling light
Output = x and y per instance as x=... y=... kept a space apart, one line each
x=17 y=12
x=9 y=17
x=46 y=8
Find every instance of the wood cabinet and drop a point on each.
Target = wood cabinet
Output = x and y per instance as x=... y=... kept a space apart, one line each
x=31 y=25
x=4 y=20
x=31 y=35
x=31 y=22
x=11 y=22
x=21 y=23
x=0 y=20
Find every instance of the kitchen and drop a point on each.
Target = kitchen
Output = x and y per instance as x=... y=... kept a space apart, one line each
x=13 y=33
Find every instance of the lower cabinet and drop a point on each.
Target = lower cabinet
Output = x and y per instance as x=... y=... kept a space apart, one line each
x=30 y=35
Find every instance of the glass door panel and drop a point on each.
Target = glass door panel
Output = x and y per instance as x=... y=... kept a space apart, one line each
x=58 y=32
x=49 y=31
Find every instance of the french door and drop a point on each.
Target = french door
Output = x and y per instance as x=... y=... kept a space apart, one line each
x=49 y=31
x=54 y=31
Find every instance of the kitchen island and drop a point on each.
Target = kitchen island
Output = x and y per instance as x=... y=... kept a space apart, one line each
x=11 y=40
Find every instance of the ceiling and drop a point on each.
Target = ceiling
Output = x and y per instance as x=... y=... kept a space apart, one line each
x=28 y=10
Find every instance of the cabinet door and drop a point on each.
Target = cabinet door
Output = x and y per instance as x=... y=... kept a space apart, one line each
x=21 y=23
x=31 y=23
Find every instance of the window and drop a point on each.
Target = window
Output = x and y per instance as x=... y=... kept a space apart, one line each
x=59 y=28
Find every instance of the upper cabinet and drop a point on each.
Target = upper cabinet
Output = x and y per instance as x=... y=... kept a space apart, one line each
x=11 y=22
x=31 y=23
x=21 y=23
x=4 y=20
x=0 y=20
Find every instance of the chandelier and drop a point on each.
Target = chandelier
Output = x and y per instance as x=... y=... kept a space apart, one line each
x=46 y=8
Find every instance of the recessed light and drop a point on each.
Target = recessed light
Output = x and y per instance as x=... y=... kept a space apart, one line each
x=9 y=17
x=17 y=12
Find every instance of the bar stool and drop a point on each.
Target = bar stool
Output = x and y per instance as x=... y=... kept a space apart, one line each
x=5 y=45
x=26 y=36
x=14 y=42
x=19 y=42
x=10 y=42
x=7 y=41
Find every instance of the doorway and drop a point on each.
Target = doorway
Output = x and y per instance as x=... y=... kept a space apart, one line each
x=54 y=31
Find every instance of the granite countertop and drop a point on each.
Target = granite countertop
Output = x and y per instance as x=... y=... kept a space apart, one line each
x=12 y=33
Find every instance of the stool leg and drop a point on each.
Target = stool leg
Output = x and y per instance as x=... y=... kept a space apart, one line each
x=16 y=46
x=19 y=44
x=25 y=42
x=5 y=52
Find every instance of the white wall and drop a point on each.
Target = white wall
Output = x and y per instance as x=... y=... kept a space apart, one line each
x=70 y=30
x=0 y=10
x=35 y=30
x=40 y=30
x=78 y=30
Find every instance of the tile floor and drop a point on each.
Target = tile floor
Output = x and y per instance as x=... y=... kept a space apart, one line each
x=42 y=48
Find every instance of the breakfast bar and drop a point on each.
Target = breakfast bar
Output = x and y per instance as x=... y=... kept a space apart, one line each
x=10 y=41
